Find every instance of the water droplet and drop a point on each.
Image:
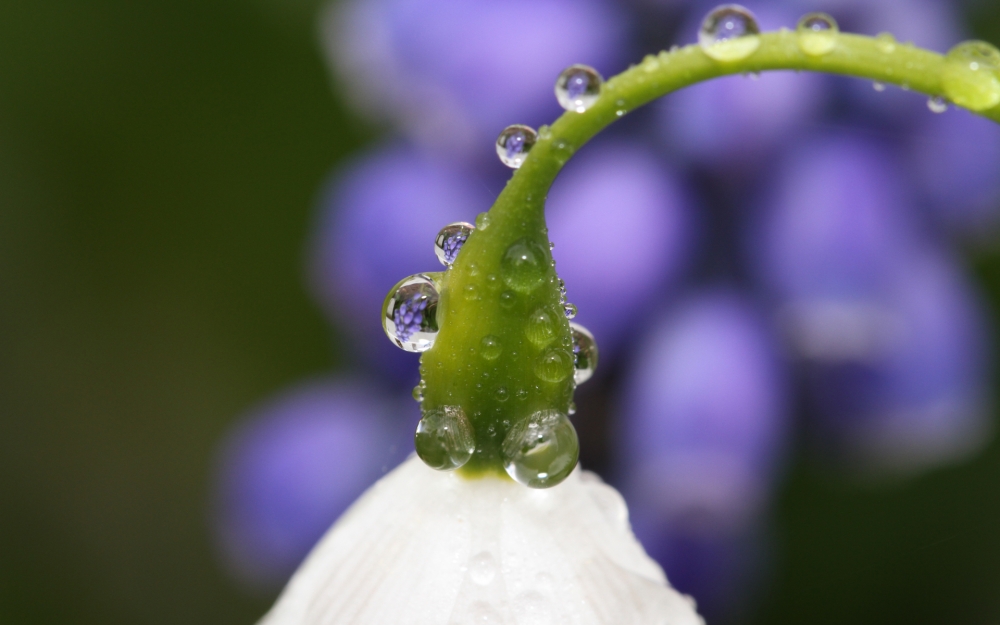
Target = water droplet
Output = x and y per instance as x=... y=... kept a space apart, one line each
x=572 y=408
x=817 y=34
x=501 y=394
x=542 y=450
x=650 y=63
x=482 y=613
x=482 y=568
x=971 y=76
x=540 y=329
x=570 y=310
x=886 y=42
x=729 y=33
x=578 y=87
x=878 y=86
x=514 y=143
x=483 y=221
x=524 y=265
x=409 y=314
x=937 y=104
x=444 y=438
x=490 y=347
x=450 y=240
x=508 y=299
x=533 y=608
x=522 y=394
x=584 y=353
x=471 y=292
x=418 y=391
x=555 y=365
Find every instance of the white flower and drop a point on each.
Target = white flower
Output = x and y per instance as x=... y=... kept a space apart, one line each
x=424 y=547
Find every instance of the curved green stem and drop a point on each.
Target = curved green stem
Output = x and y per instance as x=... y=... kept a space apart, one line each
x=485 y=296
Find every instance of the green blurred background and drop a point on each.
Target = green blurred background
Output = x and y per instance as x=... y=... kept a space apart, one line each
x=158 y=167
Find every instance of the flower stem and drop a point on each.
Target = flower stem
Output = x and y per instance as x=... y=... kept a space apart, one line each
x=484 y=295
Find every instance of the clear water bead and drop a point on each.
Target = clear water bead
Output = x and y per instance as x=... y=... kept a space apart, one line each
x=937 y=104
x=971 y=76
x=524 y=265
x=729 y=33
x=540 y=328
x=817 y=34
x=555 y=365
x=541 y=450
x=450 y=240
x=514 y=143
x=578 y=87
x=444 y=438
x=584 y=353
x=409 y=314
x=886 y=42
x=878 y=86
x=570 y=310
x=490 y=347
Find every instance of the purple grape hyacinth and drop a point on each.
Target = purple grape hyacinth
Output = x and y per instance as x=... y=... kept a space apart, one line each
x=288 y=470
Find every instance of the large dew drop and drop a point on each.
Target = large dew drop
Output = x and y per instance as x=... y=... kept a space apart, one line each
x=542 y=450
x=729 y=33
x=584 y=353
x=578 y=88
x=450 y=240
x=817 y=34
x=524 y=264
x=514 y=143
x=555 y=365
x=971 y=76
x=540 y=328
x=444 y=438
x=409 y=314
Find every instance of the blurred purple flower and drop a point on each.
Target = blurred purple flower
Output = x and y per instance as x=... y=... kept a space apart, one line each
x=376 y=225
x=623 y=230
x=290 y=467
x=454 y=73
x=733 y=122
x=835 y=227
x=923 y=398
x=705 y=427
x=956 y=161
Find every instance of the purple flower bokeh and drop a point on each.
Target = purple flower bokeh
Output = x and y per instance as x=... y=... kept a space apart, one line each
x=289 y=469
x=623 y=226
x=706 y=424
x=453 y=73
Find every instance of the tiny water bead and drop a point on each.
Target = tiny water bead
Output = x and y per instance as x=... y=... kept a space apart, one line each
x=409 y=314
x=444 y=438
x=971 y=76
x=542 y=450
x=450 y=240
x=483 y=221
x=514 y=143
x=584 y=353
x=523 y=267
x=490 y=347
x=729 y=33
x=937 y=104
x=878 y=86
x=578 y=88
x=555 y=365
x=540 y=328
x=886 y=42
x=418 y=391
x=817 y=34
x=570 y=310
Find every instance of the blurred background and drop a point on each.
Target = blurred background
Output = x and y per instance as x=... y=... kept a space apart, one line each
x=794 y=282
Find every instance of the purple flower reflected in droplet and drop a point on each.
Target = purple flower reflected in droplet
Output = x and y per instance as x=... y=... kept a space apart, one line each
x=377 y=224
x=288 y=470
x=622 y=226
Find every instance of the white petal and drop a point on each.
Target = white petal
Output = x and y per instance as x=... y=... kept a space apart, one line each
x=423 y=547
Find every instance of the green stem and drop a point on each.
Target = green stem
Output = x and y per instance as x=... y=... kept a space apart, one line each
x=483 y=297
